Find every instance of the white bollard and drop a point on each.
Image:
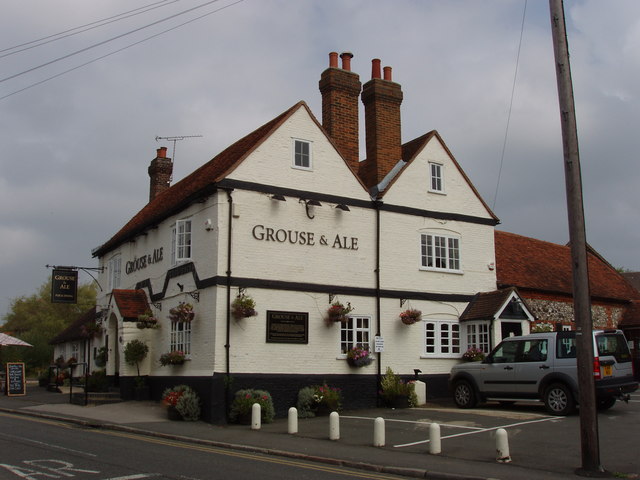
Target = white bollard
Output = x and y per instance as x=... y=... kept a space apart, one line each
x=292 y=423
x=378 y=432
x=435 y=446
x=334 y=426
x=502 y=446
x=255 y=416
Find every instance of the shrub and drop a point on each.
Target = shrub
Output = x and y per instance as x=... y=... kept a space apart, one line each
x=306 y=404
x=98 y=381
x=135 y=352
x=393 y=386
x=185 y=400
x=243 y=402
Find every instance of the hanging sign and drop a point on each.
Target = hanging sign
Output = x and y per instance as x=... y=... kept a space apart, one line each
x=15 y=379
x=64 y=286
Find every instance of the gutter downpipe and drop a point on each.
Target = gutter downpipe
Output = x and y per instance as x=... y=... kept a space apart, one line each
x=379 y=367
x=227 y=345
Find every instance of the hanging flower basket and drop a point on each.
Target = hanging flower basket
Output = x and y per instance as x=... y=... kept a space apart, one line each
x=172 y=358
x=411 y=316
x=243 y=306
x=182 y=313
x=147 y=320
x=359 y=356
x=91 y=329
x=337 y=312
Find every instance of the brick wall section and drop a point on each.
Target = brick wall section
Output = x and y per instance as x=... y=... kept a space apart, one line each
x=160 y=171
x=381 y=99
x=340 y=91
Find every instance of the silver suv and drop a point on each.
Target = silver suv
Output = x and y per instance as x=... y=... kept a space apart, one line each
x=542 y=366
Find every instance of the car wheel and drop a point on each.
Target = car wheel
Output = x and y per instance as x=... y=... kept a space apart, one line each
x=603 y=404
x=464 y=395
x=558 y=399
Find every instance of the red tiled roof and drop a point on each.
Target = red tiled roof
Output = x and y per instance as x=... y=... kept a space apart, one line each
x=131 y=303
x=485 y=305
x=527 y=263
x=74 y=331
x=198 y=184
x=631 y=317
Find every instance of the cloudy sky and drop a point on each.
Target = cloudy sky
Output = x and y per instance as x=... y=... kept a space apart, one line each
x=76 y=145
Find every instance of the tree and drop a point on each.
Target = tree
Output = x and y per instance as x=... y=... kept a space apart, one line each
x=37 y=321
x=135 y=352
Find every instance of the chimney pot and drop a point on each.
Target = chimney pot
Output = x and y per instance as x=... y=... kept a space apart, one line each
x=333 y=60
x=375 y=68
x=161 y=152
x=387 y=73
x=346 y=60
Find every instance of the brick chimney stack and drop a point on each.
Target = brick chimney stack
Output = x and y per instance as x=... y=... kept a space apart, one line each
x=381 y=98
x=340 y=89
x=160 y=171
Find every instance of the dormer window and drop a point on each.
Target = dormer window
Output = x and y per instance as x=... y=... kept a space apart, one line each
x=301 y=154
x=436 y=183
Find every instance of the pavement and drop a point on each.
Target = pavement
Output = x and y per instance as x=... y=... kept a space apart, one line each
x=474 y=460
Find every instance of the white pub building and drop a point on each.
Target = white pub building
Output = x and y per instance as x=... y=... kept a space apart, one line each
x=291 y=217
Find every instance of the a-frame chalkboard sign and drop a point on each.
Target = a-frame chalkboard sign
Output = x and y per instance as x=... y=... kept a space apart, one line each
x=15 y=384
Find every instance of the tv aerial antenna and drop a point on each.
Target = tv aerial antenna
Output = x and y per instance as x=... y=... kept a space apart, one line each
x=176 y=139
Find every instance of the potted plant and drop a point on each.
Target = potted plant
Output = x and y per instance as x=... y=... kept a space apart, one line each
x=473 y=354
x=175 y=357
x=243 y=404
x=183 y=312
x=395 y=392
x=147 y=320
x=101 y=357
x=410 y=316
x=337 y=312
x=182 y=403
x=243 y=306
x=358 y=356
x=135 y=352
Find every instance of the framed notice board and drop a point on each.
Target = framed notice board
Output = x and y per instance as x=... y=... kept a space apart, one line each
x=15 y=379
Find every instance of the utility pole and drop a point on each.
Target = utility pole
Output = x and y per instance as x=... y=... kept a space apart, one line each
x=581 y=297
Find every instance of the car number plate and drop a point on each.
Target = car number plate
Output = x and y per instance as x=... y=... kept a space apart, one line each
x=607 y=370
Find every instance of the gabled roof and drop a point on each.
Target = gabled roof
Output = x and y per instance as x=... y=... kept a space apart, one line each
x=75 y=330
x=131 y=303
x=488 y=305
x=199 y=184
x=410 y=151
x=527 y=263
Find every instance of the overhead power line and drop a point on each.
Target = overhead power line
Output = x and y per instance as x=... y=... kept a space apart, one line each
x=119 y=50
x=513 y=89
x=29 y=70
x=83 y=28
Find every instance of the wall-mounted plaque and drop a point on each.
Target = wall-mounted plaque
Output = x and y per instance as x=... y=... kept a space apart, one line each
x=287 y=327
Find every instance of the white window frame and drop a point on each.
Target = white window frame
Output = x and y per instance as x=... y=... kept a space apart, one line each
x=355 y=331
x=180 y=337
x=114 y=269
x=442 y=339
x=298 y=158
x=477 y=334
x=436 y=177
x=433 y=252
x=182 y=241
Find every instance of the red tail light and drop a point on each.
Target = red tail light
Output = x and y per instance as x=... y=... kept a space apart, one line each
x=596 y=368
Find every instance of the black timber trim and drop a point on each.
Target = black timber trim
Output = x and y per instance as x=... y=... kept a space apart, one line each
x=354 y=202
x=189 y=268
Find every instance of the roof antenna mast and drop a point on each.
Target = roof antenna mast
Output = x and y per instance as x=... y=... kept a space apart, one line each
x=174 y=140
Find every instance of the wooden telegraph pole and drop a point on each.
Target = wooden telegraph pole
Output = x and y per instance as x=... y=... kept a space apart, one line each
x=581 y=298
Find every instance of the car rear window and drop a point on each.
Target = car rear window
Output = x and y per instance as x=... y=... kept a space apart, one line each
x=614 y=345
